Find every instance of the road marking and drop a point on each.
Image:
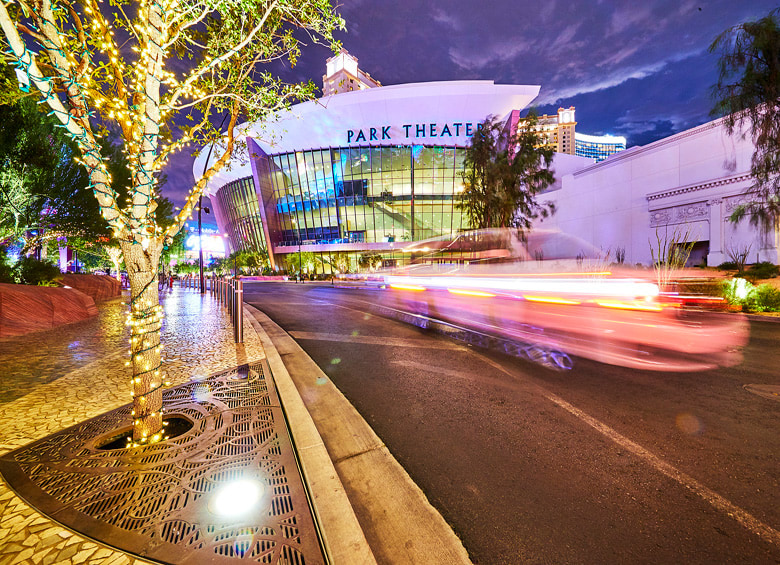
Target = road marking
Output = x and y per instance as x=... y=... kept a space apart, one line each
x=772 y=392
x=375 y=340
x=722 y=504
x=743 y=517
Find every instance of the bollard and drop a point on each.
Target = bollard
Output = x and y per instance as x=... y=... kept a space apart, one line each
x=230 y=299
x=238 y=312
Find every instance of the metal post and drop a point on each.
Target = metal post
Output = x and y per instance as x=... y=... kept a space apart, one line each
x=201 y=277
x=230 y=299
x=238 y=312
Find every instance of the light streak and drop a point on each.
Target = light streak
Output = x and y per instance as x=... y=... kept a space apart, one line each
x=618 y=288
x=399 y=286
x=551 y=300
x=644 y=306
x=465 y=292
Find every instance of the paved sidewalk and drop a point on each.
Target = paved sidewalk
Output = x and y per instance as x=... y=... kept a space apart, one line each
x=352 y=478
x=84 y=383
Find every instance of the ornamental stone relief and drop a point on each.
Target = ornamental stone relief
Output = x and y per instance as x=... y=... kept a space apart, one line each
x=731 y=203
x=680 y=214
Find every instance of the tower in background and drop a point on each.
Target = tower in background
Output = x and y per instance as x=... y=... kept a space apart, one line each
x=343 y=75
x=556 y=131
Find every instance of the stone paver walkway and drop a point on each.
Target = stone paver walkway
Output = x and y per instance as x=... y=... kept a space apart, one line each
x=87 y=376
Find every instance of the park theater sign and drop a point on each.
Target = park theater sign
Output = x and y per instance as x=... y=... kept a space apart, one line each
x=416 y=132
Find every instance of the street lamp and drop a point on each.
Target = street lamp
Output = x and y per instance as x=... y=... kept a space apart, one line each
x=235 y=256
x=200 y=243
x=300 y=257
x=200 y=207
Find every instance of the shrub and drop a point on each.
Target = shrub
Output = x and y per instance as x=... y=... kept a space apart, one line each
x=736 y=290
x=728 y=266
x=6 y=272
x=32 y=271
x=763 y=298
x=764 y=270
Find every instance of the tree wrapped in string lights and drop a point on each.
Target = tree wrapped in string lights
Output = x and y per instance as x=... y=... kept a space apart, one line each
x=160 y=70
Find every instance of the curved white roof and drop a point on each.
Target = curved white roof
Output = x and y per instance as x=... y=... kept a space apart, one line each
x=431 y=113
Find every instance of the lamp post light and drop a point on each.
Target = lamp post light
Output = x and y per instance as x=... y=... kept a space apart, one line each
x=300 y=259
x=300 y=256
x=200 y=244
x=200 y=207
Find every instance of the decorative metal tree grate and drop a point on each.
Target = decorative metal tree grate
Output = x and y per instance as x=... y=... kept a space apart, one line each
x=157 y=501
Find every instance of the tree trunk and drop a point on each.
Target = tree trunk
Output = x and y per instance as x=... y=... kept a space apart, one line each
x=145 y=322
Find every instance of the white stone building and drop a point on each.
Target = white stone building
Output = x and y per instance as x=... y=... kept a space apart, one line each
x=691 y=182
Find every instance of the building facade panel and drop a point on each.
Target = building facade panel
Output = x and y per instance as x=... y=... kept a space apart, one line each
x=373 y=195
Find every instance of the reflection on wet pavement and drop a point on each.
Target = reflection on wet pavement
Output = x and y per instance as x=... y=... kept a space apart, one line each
x=42 y=357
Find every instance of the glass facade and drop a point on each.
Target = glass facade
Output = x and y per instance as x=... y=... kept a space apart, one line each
x=354 y=195
x=238 y=202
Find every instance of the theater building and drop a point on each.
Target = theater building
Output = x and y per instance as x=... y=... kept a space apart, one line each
x=364 y=171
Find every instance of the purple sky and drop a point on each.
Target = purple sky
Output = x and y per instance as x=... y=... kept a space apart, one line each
x=638 y=69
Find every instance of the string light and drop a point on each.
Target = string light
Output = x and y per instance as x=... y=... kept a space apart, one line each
x=139 y=96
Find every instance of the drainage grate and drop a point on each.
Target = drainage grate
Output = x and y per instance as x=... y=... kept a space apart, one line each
x=155 y=501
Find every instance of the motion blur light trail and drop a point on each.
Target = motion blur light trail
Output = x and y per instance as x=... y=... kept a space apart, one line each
x=542 y=293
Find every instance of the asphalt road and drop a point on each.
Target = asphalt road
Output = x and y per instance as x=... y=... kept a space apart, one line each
x=600 y=464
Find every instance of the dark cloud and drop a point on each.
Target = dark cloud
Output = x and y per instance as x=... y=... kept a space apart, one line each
x=639 y=69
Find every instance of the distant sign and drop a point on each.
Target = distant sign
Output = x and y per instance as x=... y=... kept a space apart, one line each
x=411 y=131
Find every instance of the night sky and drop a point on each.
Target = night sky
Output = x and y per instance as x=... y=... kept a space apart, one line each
x=638 y=69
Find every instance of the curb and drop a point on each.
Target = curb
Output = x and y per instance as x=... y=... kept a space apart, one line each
x=340 y=532
x=398 y=521
x=759 y=318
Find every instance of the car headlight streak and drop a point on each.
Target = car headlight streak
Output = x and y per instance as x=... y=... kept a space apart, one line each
x=612 y=288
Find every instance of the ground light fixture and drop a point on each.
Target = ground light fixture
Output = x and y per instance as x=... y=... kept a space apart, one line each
x=236 y=498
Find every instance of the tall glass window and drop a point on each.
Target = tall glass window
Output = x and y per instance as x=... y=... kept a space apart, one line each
x=366 y=194
x=238 y=200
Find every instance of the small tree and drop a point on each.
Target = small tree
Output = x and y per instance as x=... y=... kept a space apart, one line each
x=120 y=63
x=370 y=261
x=738 y=254
x=748 y=95
x=299 y=262
x=504 y=173
x=670 y=253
